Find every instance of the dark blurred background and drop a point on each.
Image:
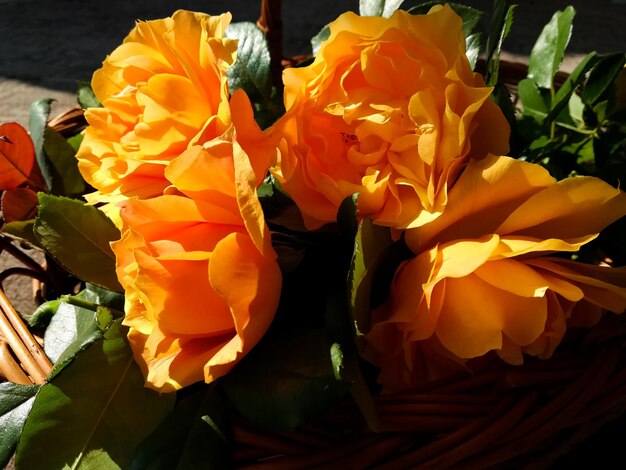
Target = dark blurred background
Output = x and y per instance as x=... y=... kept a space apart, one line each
x=54 y=43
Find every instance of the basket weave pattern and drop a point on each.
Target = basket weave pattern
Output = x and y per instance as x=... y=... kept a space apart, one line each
x=532 y=413
x=22 y=360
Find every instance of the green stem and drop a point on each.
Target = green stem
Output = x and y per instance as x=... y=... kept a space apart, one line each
x=553 y=123
x=78 y=302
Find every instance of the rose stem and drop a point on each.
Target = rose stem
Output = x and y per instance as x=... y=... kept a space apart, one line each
x=271 y=23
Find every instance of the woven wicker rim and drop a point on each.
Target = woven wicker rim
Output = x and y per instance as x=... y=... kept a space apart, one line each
x=532 y=413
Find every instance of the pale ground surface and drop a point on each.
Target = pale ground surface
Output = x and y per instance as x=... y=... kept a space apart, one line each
x=46 y=46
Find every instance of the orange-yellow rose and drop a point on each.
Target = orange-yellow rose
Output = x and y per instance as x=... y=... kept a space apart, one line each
x=480 y=280
x=390 y=109
x=163 y=89
x=200 y=275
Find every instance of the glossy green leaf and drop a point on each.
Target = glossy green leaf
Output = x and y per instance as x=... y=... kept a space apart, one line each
x=319 y=38
x=71 y=330
x=502 y=98
x=63 y=328
x=336 y=357
x=563 y=94
x=473 y=45
x=22 y=229
x=501 y=21
x=66 y=179
x=378 y=7
x=370 y=246
x=548 y=52
x=576 y=108
x=55 y=156
x=278 y=207
x=93 y=414
x=534 y=103
x=75 y=141
x=15 y=404
x=286 y=381
x=78 y=236
x=42 y=315
x=470 y=16
x=103 y=297
x=193 y=436
x=601 y=77
x=251 y=70
x=345 y=359
x=86 y=97
x=37 y=123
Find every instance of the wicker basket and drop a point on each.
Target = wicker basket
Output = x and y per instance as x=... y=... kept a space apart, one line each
x=500 y=416
x=504 y=416
x=22 y=360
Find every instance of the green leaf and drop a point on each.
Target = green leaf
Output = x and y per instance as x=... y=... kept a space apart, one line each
x=502 y=98
x=345 y=358
x=66 y=179
x=192 y=436
x=473 y=44
x=38 y=121
x=103 y=297
x=22 y=229
x=470 y=16
x=319 y=38
x=586 y=156
x=251 y=70
x=534 y=103
x=501 y=21
x=278 y=207
x=370 y=247
x=347 y=215
x=78 y=237
x=286 y=381
x=75 y=141
x=601 y=77
x=95 y=413
x=15 y=404
x=86 y=97
x=40 y=319
x=55 y=156
x=600 y=110
x=575 y=110
x=336 y=357
x=71 y=330
x=549 y=50
x=378 y=7
x=562 y=97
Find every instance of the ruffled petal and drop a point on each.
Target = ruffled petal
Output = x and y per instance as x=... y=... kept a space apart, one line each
x=249 y=282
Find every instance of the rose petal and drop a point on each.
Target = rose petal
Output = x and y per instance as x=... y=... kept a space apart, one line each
x=249 y=282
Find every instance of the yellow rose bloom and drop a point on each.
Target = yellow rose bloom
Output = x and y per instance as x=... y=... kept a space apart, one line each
x=389 y=109
x=200 y=275
x=161 y=90
x=482 y=279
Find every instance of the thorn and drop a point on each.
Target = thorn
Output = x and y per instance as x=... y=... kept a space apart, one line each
x=5 y=139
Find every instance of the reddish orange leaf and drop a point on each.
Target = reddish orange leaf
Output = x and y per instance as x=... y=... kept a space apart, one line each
x=17 y=155
x=19 y=204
